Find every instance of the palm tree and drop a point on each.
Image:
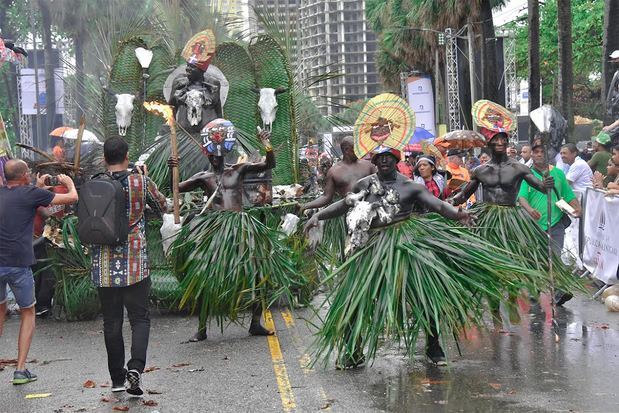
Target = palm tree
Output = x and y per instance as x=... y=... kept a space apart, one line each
x=566 y=70
x=534 y=69
x=610 y=44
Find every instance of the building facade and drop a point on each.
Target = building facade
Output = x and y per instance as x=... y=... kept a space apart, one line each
x=334 y=36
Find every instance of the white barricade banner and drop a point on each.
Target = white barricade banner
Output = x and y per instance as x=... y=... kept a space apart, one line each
x=601 y=236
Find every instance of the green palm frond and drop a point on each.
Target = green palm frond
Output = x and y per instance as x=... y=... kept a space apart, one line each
x=273 y=71
x=512 y=229
x=228 y=262
x=412 y=275
x=75 y=292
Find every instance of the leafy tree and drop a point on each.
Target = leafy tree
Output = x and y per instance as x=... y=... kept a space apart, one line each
x=587 y=29
x=610 y=44
x=351 y=113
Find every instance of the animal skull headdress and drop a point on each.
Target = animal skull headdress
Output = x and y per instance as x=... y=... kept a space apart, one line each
x=218 y=137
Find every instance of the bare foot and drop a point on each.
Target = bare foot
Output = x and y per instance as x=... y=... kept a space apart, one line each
x=255 y=329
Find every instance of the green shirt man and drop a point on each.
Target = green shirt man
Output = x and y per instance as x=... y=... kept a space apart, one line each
x=537 y=200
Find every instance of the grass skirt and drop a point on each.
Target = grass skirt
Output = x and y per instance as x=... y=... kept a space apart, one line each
x=231 y=261
x=514 y=230
x=410 y=276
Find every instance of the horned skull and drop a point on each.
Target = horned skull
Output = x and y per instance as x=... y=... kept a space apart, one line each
x=359 y=218
x=194 y=99
x=124 y=112
x=268 y=105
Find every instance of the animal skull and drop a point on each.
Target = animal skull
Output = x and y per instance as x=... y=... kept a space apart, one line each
x=124 y=112
x=268 y=105
x=194 y=99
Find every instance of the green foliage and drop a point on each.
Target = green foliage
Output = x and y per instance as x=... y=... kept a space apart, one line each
x=410 y=276
x=587 y=32
x=273 y=71
x=229 y=262
x=351 y=113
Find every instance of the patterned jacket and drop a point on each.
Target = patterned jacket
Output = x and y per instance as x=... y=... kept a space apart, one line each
x=127 y=264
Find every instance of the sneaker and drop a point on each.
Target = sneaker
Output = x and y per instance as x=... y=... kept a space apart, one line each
x=23 y=377
x=118 y=386
x=42 y=312
x=134 y=378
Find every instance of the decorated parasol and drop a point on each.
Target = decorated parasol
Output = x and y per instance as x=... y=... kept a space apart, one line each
x=460 y=139
x=420 y=135
x=430 y=149
x=200 y=49
x=60 y=131
x=493 y=116
x=87 y=137
x=386 y=120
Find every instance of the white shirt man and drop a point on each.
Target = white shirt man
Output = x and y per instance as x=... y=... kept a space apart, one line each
x=579 y=174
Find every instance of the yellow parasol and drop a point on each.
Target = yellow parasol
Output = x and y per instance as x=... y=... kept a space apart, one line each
x=493 y=116
x=386 y=120
x=200 y=49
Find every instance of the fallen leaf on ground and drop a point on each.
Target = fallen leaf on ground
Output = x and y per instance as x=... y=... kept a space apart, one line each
x=153 y=391
x=151 y=368
x=106 y=384
x=428 y=381
x=181 y=365
x=37 y=395
x=327 y=405
x=89 y=384
x=109 y=399
x=121 y=408
x=150 y=403
x=495 y=386
x=194 y=370
x=511 y=392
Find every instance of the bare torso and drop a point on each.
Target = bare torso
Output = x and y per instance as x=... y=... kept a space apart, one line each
x=345 y=175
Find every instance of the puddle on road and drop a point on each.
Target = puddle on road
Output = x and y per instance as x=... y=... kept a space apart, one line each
x=521 y=369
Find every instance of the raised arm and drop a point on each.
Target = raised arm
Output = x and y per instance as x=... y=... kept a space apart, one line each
x=269 y=162
x=195 y=182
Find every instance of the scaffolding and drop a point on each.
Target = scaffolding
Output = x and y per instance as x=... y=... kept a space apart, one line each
x=453 y=96
x=25 y=121
x=509 y=76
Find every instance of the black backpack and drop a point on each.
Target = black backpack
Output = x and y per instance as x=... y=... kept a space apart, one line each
x=102 y=211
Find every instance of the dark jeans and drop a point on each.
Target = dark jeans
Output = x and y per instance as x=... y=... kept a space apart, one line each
x=557 y=235
x=44 y=279
x=135 y=299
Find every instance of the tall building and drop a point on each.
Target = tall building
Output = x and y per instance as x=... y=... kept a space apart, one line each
x=334 y=37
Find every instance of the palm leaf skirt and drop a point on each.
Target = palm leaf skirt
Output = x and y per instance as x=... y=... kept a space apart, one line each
x=512 y=229
x=411 y=275
x=231 y=261
x=333 y=241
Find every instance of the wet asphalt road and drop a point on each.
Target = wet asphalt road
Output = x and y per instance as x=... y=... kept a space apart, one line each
x=520 y=369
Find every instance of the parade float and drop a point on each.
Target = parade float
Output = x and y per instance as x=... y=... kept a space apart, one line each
x=249 y=83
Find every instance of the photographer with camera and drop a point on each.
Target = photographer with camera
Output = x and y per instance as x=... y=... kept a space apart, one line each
x=19 y=200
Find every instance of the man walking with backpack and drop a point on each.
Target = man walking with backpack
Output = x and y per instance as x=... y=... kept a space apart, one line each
x=119 y=261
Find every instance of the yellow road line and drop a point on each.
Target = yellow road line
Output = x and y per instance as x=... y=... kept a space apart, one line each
x=279 y=366
x=304 y=360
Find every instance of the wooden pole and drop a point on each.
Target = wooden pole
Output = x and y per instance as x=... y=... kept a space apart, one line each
x=175 y=174
x=78 y=146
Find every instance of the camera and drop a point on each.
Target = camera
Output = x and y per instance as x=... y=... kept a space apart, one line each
x=51 y=181
x=137 y=168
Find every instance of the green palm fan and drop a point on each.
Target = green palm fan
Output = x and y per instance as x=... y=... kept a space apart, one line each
x=242 y=102
x=273 y=71
x=75 y=292
x=125 y=77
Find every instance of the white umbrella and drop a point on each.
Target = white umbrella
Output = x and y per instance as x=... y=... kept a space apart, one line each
x=88 y=136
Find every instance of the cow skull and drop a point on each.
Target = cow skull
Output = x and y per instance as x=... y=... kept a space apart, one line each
x=268 y=105
x=194 y=100
x=124 y=112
